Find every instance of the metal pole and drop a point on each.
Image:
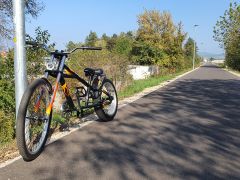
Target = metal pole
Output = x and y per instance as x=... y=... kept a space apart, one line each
x=194 y=51
x=194 y=47
x=19 y=50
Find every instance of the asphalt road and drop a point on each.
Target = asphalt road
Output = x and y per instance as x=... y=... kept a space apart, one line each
x=190 y=129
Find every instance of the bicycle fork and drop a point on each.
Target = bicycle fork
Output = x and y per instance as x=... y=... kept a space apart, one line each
x=64 y=86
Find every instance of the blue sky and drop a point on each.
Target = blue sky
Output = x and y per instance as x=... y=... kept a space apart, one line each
x=73 y=20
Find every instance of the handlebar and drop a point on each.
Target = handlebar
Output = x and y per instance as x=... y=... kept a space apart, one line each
x=43 y=46
x=86 y=48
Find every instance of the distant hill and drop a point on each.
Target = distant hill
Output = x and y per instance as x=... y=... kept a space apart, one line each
x=209 y=55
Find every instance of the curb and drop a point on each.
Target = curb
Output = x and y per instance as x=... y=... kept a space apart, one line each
x=92 y=118
x=232 y=72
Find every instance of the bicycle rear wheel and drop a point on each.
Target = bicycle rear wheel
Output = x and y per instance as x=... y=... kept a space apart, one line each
x=33 y=122
x=109 y=99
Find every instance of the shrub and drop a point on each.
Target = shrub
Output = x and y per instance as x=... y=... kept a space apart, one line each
x=115 y=66
x=6 y=127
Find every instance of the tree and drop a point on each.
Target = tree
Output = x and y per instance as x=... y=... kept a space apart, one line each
x=35 y=55
x=123 y=44
x=227 y=33
x=130 y=34
x=145 y=54
x=7 y=83
x=7 y=98
x=188 y=47
x=71 y=45
x=188 y=52
x=91 y=39
x=156 y=28
x=212 y=59
x=32 y=8
x=159 y=40
x=104 y=37
x=111 y=42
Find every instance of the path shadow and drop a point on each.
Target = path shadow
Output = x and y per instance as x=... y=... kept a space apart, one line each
x=188 y=130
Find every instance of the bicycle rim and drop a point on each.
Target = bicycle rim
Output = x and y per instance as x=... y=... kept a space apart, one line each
x=109 y=107
x=36 y=120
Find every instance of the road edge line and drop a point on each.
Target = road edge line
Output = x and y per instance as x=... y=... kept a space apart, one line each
x=232 y=72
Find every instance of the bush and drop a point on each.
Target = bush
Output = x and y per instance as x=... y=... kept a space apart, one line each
x=115 y=66
x=226 y=32
x=7 y=99
x=6 y=127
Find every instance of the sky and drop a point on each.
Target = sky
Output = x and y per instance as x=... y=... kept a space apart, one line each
x=73 y=20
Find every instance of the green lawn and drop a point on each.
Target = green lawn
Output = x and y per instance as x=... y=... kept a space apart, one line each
x=139 y=85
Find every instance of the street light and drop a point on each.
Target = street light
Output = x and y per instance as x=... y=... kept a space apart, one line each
x=194 y=46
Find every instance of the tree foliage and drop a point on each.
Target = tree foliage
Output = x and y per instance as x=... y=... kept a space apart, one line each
x=123 y=44
x=188 y=47
x=36 y=55
x=7 y=98
x=7 y=83
x=91 y=39
x=227 y=33
x=159 y=41
x=32 y=8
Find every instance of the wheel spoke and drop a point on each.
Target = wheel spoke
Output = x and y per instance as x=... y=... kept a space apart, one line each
x=36 y=120
x=109 y=98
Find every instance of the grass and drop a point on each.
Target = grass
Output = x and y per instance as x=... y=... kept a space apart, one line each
x=221 y=65
x=139 y=85
x=57 y=119
x=8 y=151
x=233 y=71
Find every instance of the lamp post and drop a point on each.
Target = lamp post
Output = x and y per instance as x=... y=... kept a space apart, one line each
x=194 y=46
x=19 y=50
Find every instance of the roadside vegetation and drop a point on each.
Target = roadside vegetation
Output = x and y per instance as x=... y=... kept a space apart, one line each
x=227 y=33
x=157 y=41
x=139 y=85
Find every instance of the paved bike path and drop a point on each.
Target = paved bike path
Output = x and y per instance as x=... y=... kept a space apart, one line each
x=189 y=129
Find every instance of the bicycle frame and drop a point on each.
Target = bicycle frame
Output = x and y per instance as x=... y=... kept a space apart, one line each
x=62 y=72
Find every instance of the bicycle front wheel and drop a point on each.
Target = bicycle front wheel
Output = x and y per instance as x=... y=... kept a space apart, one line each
x=33 y=122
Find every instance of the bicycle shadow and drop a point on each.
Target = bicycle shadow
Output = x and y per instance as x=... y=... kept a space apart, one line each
x=64 y=124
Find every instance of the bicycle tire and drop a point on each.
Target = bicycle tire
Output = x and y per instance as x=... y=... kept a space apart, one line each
x=21 y=120
x=102 y=114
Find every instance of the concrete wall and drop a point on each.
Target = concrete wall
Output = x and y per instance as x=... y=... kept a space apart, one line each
x=218 y=61
x=142 y=72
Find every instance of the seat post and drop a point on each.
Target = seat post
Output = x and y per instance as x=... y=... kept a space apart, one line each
x=88 y=90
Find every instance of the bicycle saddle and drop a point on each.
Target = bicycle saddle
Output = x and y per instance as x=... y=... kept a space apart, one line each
x=91 y=72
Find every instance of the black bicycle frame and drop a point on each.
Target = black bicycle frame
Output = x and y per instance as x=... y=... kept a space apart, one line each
x=62 y=72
